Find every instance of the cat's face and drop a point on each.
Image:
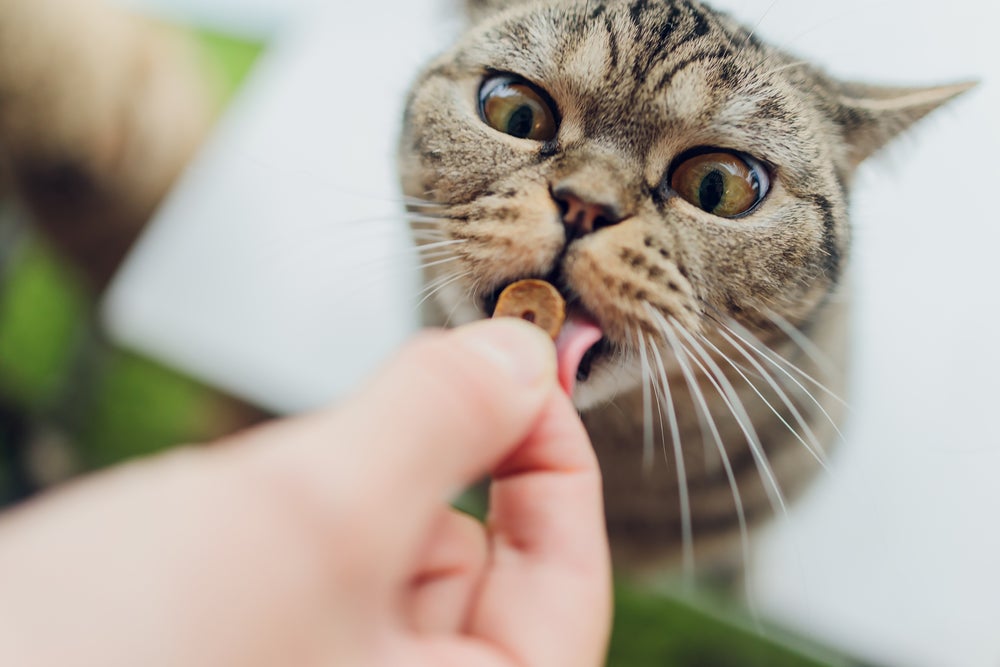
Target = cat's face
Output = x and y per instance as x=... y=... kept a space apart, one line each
x=652 y=159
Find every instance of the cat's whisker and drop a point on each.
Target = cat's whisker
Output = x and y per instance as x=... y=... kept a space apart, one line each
x=436 y=252
x=440 y=244
x=428 y=218
x=436 y=282
x=372 y=271
x=438 y=262
x=417 y=202
x=766 y=354
x=811 y=350
x=786 y=66
x=282 y=243
x=430 y=231
x=340 y=292
x=687 y=534
x=732 y=400
x=427 y=255
x=705 y=414
x=454 y=308
x=789 y=45
x=647 y=405
x=816 y=449
x=339 y=228
x=422 y=239
x=413 y=218
x=290 y=250
x=760 y=22
x=775 y=359
x=438 y=285
x=424 y=236
x=659 y=400
x=475 y=290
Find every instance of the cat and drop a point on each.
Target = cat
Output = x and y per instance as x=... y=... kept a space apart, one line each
x=685 y=186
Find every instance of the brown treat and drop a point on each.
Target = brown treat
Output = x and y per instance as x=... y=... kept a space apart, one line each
x=536 y=301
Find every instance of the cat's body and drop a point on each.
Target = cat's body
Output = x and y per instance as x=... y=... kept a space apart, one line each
x=686 y=187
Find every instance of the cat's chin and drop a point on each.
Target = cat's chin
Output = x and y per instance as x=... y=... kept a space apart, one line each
x=607 y=380
x=588 y=395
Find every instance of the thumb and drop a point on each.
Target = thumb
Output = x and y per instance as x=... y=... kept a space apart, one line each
x=452 y=405
x=447 y=409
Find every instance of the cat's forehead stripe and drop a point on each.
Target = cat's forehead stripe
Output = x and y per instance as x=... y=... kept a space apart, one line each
x=650 y=34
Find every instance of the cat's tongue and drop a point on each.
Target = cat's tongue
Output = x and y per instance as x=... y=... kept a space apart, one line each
x=578 y=334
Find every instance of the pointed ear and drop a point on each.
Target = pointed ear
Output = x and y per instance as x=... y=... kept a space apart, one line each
x=871 y=116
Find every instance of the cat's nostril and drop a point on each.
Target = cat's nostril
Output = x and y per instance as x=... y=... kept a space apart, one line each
x=562 y=204
x=581 y=216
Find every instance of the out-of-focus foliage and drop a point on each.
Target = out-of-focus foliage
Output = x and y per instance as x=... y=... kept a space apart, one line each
x=660 y=630
x=40 y=314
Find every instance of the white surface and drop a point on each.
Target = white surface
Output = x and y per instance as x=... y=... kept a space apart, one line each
x=277 y=269
x=896 y=552
x=894 y=555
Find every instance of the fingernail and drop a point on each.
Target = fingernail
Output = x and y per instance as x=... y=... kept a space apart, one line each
x=520 y=349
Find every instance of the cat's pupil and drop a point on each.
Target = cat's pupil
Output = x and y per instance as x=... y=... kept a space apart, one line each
x=712 y=189
x=521 y=122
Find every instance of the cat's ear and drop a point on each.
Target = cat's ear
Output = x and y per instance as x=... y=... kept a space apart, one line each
x=871 y=116
x=477 y=10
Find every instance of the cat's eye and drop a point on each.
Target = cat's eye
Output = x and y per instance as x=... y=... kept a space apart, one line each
x=724 y=183
x=515 y=107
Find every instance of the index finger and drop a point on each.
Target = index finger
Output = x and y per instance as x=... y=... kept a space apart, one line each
x=550 y=555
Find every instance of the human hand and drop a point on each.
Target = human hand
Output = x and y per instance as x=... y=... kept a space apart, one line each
x=326 y=539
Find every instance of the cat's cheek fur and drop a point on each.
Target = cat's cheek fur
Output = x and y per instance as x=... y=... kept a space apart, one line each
x=513 y=237
x=620 y=270
x=499 y=240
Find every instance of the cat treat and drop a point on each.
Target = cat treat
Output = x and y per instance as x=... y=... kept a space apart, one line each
x=535 y=301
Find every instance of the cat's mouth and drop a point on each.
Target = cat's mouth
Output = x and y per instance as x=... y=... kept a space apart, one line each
x=580 y=344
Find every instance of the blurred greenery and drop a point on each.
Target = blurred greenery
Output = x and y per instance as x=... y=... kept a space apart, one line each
x=663 y=629
x=139 y=408
x=116 y=405
x=40 y=311
x=231 y=57
x=113 y=405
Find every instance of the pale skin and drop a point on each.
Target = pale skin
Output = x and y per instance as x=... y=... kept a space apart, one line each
x=327 y=539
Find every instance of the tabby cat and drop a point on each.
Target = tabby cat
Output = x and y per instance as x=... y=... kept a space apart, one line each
x=685 y=186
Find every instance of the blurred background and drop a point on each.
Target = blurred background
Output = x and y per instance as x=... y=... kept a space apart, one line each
x=274 y=274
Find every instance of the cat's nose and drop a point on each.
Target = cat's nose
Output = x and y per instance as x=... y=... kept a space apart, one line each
x=582 y=215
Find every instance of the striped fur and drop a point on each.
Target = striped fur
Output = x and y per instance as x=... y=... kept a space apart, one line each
x=637 y=84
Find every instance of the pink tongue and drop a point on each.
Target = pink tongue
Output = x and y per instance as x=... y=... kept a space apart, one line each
x=578 y=334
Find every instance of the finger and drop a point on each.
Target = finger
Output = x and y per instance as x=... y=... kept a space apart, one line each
x=550 y=557
x=448 y=574
x=453 y=405
x=444 y=412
